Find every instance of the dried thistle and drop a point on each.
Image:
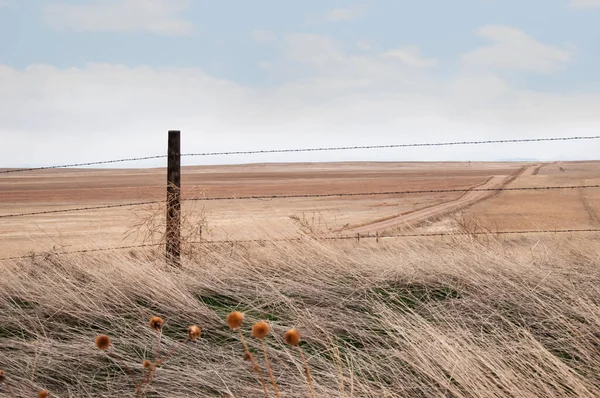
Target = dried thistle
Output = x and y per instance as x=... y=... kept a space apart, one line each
x=102 y=342
x=2 y=376
x=235 y=320
x=292 y=337
x=156 y=323
x=43 y=394
x=260 y=330
x=193 y=333
x=147 y=364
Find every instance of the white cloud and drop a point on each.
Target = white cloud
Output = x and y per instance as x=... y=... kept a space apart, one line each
x=514 y=50
x=156 y=16
x=411 y=56
x=111 y=111
x=265 y=65
x=345 y=14
x=584 y=3
x=365 y=45
x=263 y=35
x=324 y=57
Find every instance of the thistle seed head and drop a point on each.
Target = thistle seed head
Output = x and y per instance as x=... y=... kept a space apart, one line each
x=235 y=320
x=193 y=332
x=43 y=394
x=156 y=323
x=102 y=342
x=260 y=329
x=292 y=337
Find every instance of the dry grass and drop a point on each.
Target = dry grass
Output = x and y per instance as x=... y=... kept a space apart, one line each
x=405 y=318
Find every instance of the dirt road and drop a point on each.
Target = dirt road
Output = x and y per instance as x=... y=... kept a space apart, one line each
x=467 y=199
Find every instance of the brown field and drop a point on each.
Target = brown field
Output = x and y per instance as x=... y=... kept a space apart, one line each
x=460 y=316
x=255 y=219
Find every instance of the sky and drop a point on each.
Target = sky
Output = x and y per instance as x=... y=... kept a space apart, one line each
x=93 y=80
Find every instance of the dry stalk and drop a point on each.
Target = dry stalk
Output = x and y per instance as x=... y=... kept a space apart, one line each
x=255 y=366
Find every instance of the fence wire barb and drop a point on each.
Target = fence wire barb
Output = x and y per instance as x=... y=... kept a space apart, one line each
x=303 y=196
x=319 y=149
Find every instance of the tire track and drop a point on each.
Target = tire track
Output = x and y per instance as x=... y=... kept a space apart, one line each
x=589 y=209
x=469 y=198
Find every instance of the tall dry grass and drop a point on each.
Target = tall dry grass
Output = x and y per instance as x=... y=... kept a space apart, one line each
x=402 y=318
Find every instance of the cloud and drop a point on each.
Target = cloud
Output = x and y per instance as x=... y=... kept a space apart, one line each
x=365 y=45
x=156 y=16
x=5 y=3
x=584 y=3
x=514 y=50
x=324 y=57
x=411 y=56
x=263 y=36
x=330 y=97
x=345 y=14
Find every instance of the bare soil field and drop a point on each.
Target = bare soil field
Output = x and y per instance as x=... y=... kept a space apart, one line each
x=254 y=219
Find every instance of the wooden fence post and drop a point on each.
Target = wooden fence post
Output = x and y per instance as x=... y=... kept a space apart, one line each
x=173 y=232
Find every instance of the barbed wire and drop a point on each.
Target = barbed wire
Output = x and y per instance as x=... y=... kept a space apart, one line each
x=318 y=149
x=65 y=166
x=328 y=195
x=303 y=196
x=37 y=213
x=326 y=238
x=83 y=251
x=355 y=147
x=359 y=236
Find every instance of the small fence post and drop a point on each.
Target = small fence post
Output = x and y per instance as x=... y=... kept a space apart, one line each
x=377 y=236
x=358 y=237
x=173 y=224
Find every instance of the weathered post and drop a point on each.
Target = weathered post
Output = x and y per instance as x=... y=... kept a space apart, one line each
x=173 y=232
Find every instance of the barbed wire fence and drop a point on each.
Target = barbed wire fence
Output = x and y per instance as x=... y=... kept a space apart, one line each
x=301 y=196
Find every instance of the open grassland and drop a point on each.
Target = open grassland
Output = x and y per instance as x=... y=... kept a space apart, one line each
x=460 y=317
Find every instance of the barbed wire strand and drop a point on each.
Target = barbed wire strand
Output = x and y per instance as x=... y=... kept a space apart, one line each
x=433 y=144
x=318 y=149
x=394 y=236
x=304 y=196
x=328 y=195
x=65 y=166
x=84 y=251
x=37 y=213
x=330 y=238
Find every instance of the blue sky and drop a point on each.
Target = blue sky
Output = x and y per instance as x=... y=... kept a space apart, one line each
x=87 y=74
